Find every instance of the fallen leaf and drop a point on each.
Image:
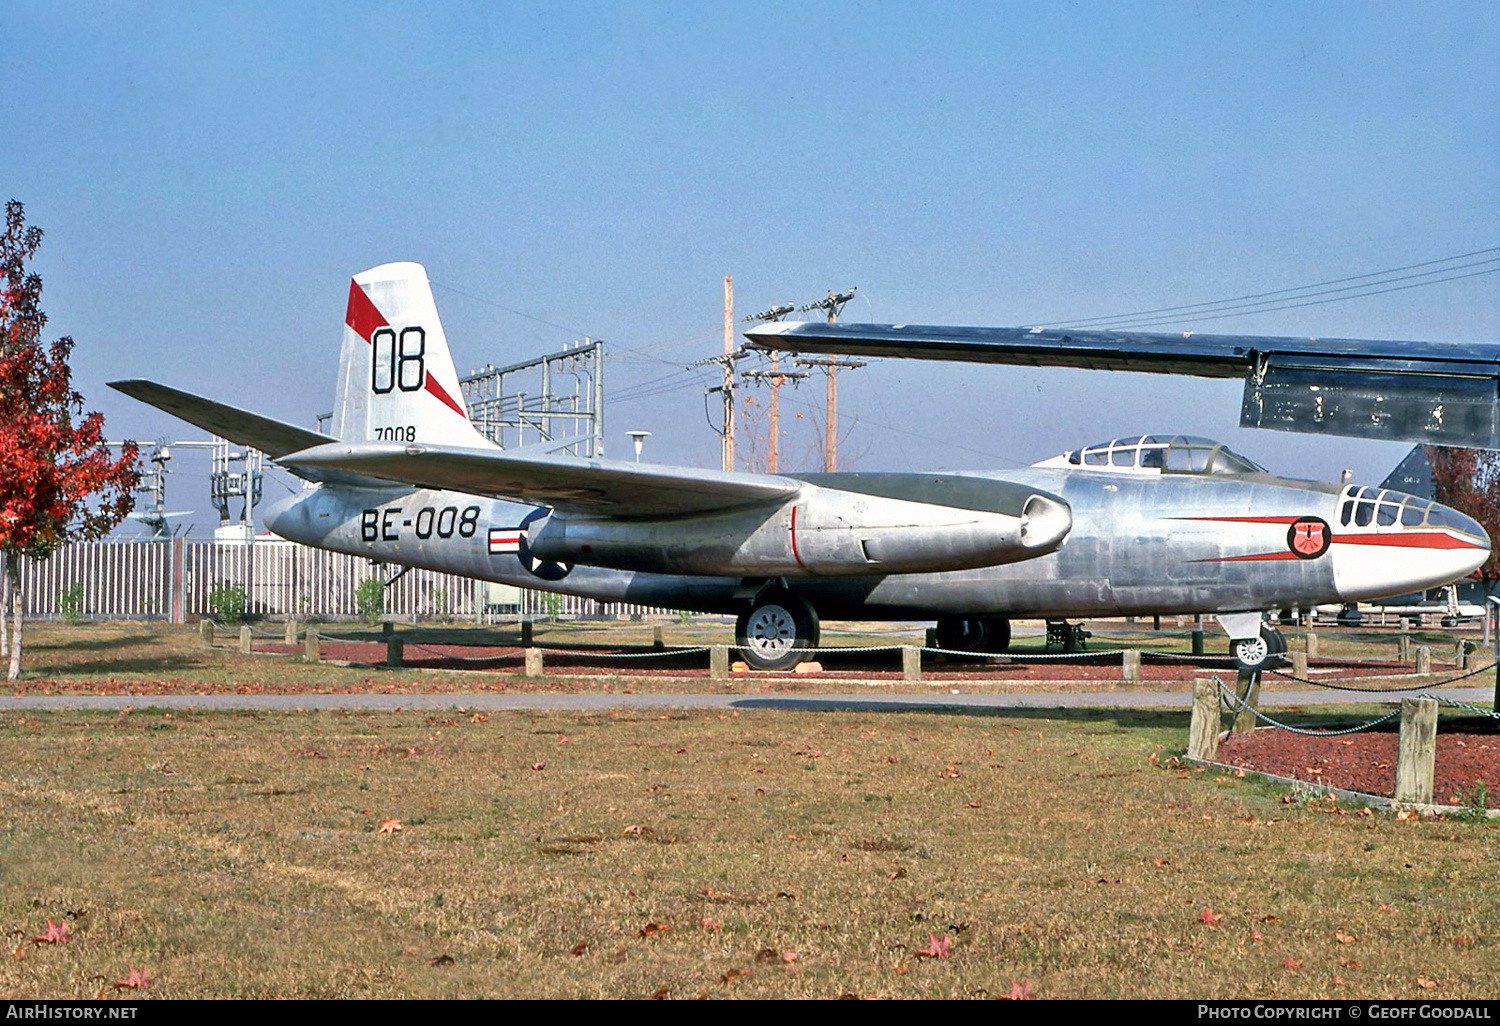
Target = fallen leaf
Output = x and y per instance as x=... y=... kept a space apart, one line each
x=1292 y=964
x=389 y=826
x=1270 y=919
x=441 y=960
x=661 y=993
x=734 y=974
x=1210 y=917
x=1349 y=963
x=539 y=765
x=789 y=957
x=974 y=805
x=1338 y=981
x=710 y=923
x=896 y=874
x=937 y=947
x=766 y=956
x=652 y=929
x=580 y=948
x=1256 y=935
x=1160 y=863
x=1018 y=991
x=135 y=979
x=1425 y=983
x=479 y=718
x=57 y=933
x=1383 y=907
x=1342 y=937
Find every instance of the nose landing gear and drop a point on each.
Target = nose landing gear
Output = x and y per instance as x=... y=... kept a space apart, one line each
x=1265 y=651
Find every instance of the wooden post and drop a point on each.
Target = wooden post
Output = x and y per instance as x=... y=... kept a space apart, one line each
x=1299 y=664
x=394 y=650
x=525 y=633
x=312 y=648
x=718 y=662
x=911 y=662
x=1197 y=642
x=1461 y=655
x=657 y=640
x=1417 y=750
x=1312 y=645
x=533 y=662
x=1130 y=666
x=1424 y=659
x=206 y=631
x=1248 y=690
x=1403 y=644
x=245 y=639
x=291 y=632
x=1203 y=731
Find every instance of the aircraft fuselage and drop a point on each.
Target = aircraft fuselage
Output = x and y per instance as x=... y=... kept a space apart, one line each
x=1139 y=544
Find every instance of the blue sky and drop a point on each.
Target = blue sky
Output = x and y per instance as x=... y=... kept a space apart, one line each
x=209 y=178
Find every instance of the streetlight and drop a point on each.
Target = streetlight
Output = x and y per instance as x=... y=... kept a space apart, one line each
x=638 y=438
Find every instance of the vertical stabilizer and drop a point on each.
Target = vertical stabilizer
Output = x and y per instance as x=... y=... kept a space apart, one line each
x=396 y=378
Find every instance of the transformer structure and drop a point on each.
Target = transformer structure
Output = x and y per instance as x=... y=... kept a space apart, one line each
x=234 y=474
x=511 y=416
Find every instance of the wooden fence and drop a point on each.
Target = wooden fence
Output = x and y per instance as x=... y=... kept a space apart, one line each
x=173 y=580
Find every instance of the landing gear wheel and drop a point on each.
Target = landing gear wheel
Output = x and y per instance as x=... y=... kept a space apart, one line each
x=978 y=635
x=778 y=632
x=1262 y=652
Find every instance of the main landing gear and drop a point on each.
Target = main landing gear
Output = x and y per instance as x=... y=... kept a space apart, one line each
x=985 y=635
x=778 y=632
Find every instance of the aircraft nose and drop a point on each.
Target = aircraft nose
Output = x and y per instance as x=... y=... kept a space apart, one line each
x=1443 y=547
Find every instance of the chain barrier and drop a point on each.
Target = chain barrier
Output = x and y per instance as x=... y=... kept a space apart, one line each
x=1486 y=668
x=1234 y=701
x=1490 y=713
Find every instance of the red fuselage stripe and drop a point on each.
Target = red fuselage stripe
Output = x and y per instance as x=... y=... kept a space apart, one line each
x=795 y=556
x=1412 y=540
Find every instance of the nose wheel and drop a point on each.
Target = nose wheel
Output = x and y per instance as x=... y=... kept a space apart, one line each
x=778 y=632
x=1262 y=652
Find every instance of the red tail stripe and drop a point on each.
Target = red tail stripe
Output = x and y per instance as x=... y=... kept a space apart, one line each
x=362 y=314
x=442 y=393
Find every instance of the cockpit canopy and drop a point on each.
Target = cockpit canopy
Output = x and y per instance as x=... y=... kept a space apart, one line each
x=1164 y=454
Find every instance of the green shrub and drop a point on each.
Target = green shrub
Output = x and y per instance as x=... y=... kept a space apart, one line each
x=369 y=599
x=226 y=603
x=70 y=602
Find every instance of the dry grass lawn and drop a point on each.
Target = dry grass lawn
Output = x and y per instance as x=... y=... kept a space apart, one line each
x=760 y=854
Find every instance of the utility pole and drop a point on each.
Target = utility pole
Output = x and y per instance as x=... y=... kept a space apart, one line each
x=731 y=354
x=776 y=379
x=832 y=304
x=728 y=372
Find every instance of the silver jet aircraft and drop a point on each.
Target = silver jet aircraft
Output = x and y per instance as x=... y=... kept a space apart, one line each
x=1145 y=525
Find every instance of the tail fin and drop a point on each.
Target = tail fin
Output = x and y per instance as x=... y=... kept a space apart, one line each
x=396 y=377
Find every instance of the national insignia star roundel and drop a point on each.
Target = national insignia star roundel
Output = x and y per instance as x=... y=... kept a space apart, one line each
x=1309 y=537
x=546 y=569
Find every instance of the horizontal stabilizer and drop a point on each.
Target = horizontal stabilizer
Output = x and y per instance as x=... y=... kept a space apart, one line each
x=1433 y=392
x=275 y=438
x=609 y=487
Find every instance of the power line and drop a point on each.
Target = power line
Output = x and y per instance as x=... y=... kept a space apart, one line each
x=1323 y=302
x=1288 y=291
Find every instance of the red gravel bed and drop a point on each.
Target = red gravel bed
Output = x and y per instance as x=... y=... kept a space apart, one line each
x=1104 y=666
x=1366 y=762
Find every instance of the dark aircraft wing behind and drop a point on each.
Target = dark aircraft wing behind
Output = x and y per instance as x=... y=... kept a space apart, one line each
x=1439 y=393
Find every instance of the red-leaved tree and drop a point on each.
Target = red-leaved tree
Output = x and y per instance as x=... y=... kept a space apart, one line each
x=1469 y=481
x=58 y=480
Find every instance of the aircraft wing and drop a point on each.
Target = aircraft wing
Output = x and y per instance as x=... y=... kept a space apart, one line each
x=570 y=484
x=1438 y=393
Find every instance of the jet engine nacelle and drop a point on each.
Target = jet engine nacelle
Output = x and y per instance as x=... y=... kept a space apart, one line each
x=820 y=532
